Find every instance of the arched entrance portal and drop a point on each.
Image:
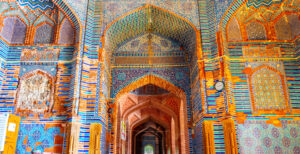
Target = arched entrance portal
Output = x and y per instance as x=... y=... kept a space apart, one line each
x=151 y=111
x=149 y=37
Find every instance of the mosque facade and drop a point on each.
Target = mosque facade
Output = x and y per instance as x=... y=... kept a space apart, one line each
x=151 y=76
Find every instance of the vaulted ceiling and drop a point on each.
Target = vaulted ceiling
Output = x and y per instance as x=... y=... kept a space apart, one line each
x=162 y=23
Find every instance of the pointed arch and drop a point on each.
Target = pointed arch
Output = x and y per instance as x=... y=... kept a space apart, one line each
x=165 y=23
x=159 y=82
x=146 y=6
x=13 y=30
x=69 y=14
x=44 y=33
x=235 y=30
x=256 y=30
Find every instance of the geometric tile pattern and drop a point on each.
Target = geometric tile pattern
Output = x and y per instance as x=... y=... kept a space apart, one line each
x=254 y=15
x=261 y=52
x=198 y=139
x=43 y=24
x=44 y=34
x=255 y=31
x=67 y=33
x=131 y=75
x=259 y=137
x=41 y=137
x=162 y=23
x=136 y=51
x=185 y=8
x=221 y=7
x=34 y=4
x=40 y=54
x=259 y=3
x=241 y=89
x=140 y=44
x=210 y=12
x=268 y=90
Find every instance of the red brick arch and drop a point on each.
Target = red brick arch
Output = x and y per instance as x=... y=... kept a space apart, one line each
x=159 y=82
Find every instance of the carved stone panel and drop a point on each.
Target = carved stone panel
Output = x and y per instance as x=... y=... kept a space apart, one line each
x=35 y=93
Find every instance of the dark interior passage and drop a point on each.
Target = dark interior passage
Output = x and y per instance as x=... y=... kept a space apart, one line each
x=149 y=138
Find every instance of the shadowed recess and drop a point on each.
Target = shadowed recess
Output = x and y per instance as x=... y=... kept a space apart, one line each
x=149 y=89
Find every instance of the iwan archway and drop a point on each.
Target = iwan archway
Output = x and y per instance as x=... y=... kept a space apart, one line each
x=162 y=114
x=149 y=38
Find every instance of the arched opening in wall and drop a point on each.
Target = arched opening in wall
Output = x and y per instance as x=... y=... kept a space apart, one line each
x=148 y=138
x=149 y=149
x=135 y=45
x=151 y=111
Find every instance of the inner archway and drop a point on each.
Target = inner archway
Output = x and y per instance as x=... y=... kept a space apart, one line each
x=153 y=105
x=149 y=138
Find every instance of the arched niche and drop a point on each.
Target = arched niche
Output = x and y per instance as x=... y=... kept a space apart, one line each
x=179 y=119
x=266 y=23
x=233 y=30
x=294 y=22
x=256 y=31
x=282 y=29
x=41 y=22
x=67 y=33
x=164 y=23
x=13 y=30
x=287 y=27
x=44 y=34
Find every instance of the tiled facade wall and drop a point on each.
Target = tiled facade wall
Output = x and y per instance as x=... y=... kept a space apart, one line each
x=43 y=137
x=60 y=69
x=256 y=136
x=85 y=85
x=39 y=131
x=92 y=102
x=3 y=51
